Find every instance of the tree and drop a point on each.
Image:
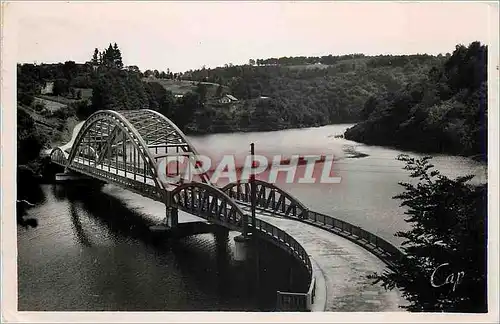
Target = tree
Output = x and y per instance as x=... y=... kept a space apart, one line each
x=219 y=91
x=95 y=57
x=69 y=70
x=444 y=263
x=25 y=98
x=369 y=107
x=117 y=57
x=251 y=62
x=61 y=86
x=134 y=69
x=29 y=140
x=82 y=109
x=161 y=98
x=119 y=90
x=201 y=90
x=184 y=112
x=109 y=56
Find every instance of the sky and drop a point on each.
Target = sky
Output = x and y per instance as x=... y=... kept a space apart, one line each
x=188 y=35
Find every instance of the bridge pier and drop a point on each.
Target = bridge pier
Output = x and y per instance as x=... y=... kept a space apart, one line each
x=69 y=176
x=241 y=247
x=170 y=222
x=221 y=234
x=171 y=217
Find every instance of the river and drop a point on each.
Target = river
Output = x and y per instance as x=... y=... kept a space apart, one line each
x=92 y=250
x=369 y=174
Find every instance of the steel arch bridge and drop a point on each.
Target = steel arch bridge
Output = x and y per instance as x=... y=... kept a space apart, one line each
x=125 y=147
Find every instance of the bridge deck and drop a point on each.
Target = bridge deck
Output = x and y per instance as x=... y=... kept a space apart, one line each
x=345 y=266
x=121 y=172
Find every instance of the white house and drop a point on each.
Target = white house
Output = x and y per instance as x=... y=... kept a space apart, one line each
x=227 y=99
x=48 y=89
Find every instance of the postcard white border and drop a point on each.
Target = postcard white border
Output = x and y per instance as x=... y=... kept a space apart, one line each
x=10 y=15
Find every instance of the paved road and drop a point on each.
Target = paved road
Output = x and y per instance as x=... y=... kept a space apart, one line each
x=345 y=266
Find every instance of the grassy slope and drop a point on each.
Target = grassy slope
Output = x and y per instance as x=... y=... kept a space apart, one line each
x=183 y=86
x=56 y=130
x=58 y=100
x=50 y=104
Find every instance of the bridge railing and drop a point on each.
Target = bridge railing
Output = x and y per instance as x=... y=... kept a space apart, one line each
x=122 y=166
x=373 y=243
x=288 y=301
x=285 y=240
x=380 y=247
x=261 y=202
x=130 y=168
x=139 y=187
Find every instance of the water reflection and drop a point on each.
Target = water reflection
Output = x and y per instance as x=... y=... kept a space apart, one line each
x=77 y=225
x=29 y=194
x=106 y=210
x=92 y=252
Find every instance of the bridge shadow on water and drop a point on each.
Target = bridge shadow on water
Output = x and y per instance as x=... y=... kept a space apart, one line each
x=206 y=272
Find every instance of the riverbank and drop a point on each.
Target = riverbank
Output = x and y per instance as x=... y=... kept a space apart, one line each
x=445 y=111
x=366 y=132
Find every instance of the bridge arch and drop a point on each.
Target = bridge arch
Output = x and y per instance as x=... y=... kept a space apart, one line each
x=210 y=203
x=59 y=156
x=100 y=133
x=269 y=198
x=160 y=134
x=173 y=126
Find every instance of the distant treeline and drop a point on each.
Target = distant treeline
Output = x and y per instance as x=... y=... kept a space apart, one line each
x=330 y=59
x=302 y=60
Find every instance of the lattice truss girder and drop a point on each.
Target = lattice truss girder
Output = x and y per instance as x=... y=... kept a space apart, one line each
x=268 y=197
x=155 y=129
x=59 y=156
x=108 y=142
x=210 y=203
x=162 y=137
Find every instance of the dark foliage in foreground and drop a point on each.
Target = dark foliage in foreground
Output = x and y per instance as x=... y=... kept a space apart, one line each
x=448 y=238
